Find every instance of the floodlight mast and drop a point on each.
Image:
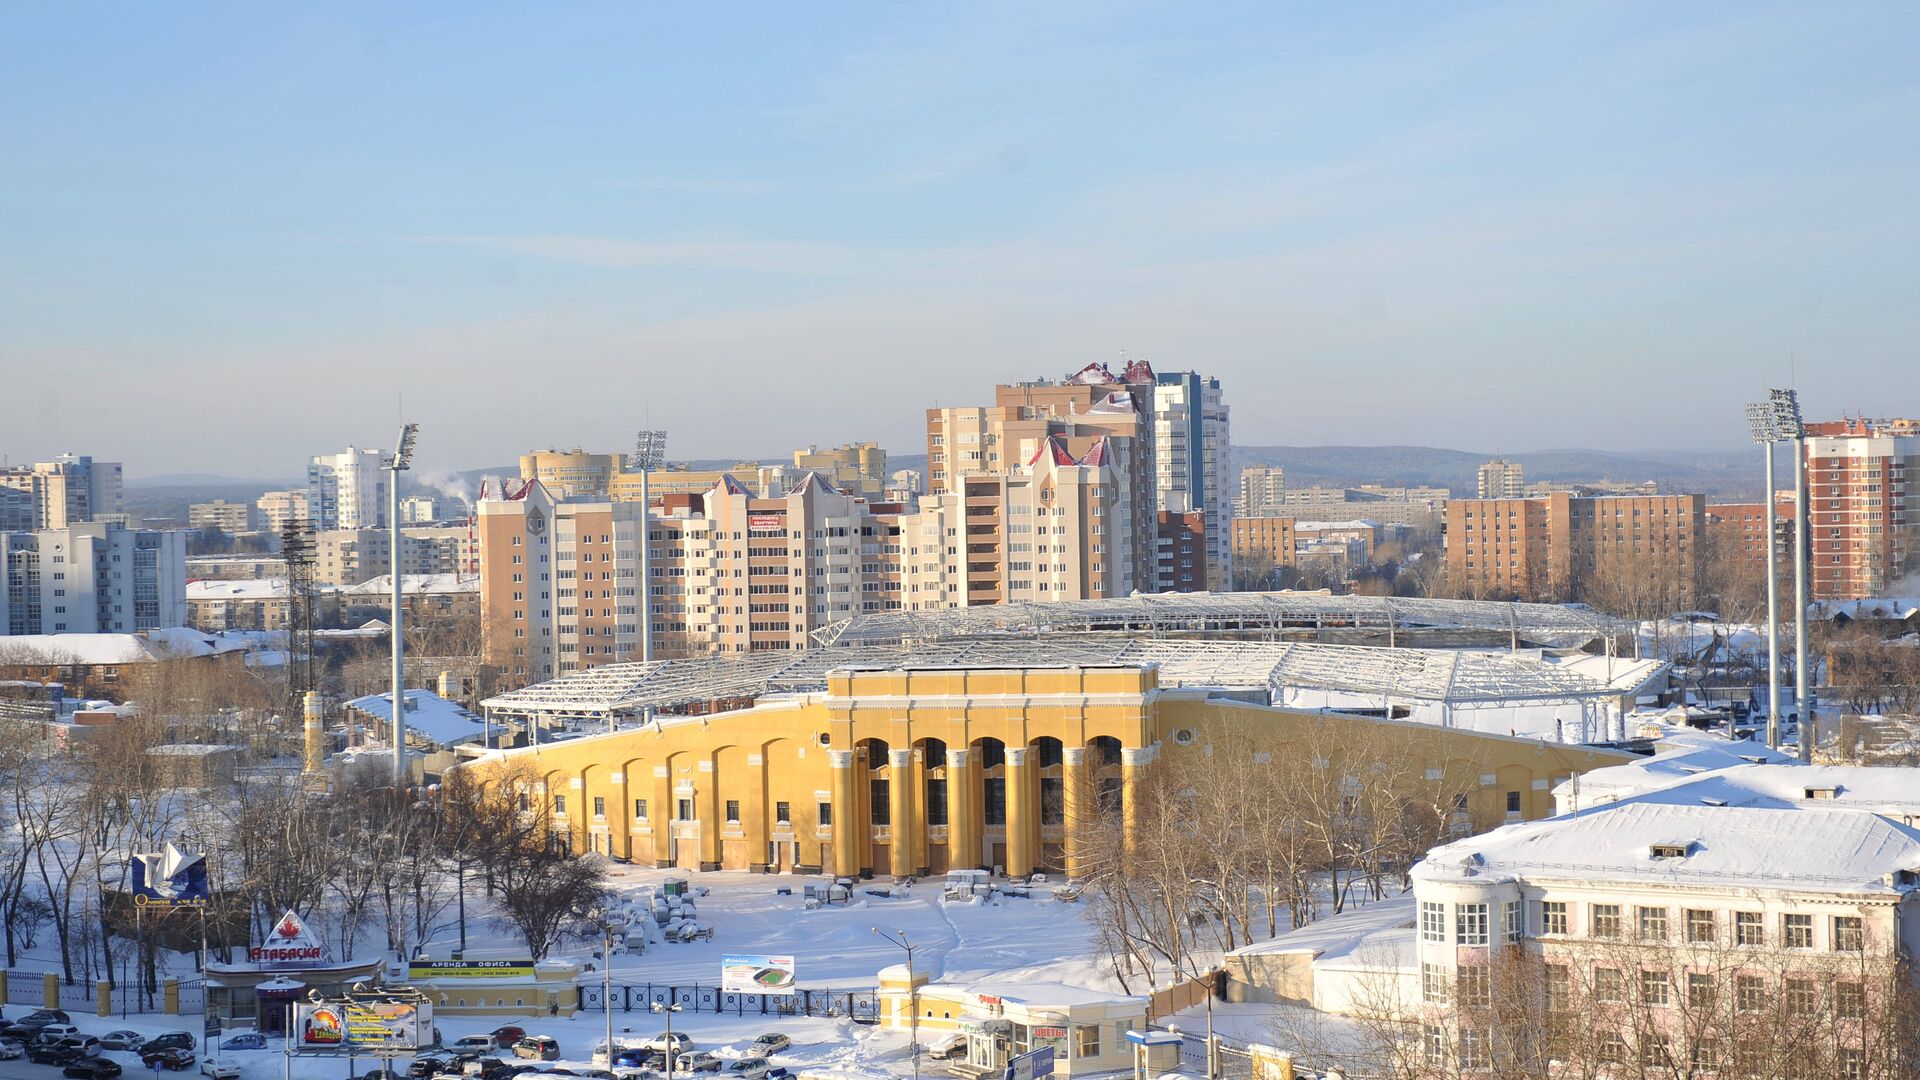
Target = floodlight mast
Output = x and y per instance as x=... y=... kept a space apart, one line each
x=402 y=461
x=1786 y=411
x=1760 y=421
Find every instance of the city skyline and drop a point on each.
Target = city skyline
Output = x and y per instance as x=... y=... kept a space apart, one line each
x=1454 y=220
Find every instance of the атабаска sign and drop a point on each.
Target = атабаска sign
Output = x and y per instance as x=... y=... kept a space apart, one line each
x=289 y=942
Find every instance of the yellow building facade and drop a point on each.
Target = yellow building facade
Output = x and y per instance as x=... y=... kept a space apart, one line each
x=919 y=771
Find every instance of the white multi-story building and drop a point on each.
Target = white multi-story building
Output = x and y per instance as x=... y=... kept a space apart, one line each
x=68 y=490
x=1192 y=450
x=228 y=517
x=92 y=578
x=348 y=490
x=1263 y=492
x=1502 y=479
x=276 y=508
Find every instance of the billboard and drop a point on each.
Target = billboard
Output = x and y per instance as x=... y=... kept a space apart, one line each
x=288 y=944
x=368 y=1026
x=747 y=973
x=767 y=521
x=470 y=969
x=168 y=879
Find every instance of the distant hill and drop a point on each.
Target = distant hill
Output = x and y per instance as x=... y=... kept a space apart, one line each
x=1716 y=474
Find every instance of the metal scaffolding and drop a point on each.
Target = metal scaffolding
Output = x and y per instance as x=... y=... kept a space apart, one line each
x=1453 y=678
x=1239 y=614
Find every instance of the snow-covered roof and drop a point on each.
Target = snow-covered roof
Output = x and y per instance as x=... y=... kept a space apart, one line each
x=150 y=646
x=1882 y=789
x=192 y=749
x=1338 y=934
x=1888 y=607
x=414 y=585
x=1686 y=759
x=429 y=716
x=1353 y=523
x=1044 y=994
x=1850 y=851
x=1457 y=677
x=243 y=589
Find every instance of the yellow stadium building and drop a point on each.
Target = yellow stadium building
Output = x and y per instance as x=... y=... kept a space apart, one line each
x=911 y=770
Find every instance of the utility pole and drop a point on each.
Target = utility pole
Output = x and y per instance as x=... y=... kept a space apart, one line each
x=899 y=937
x=402 y=461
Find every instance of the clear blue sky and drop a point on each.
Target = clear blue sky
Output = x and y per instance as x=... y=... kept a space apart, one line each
x=229 y=234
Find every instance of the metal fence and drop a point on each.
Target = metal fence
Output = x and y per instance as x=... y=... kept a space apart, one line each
x=859 y=1005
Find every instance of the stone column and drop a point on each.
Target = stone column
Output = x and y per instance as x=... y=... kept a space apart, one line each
x=756 y=811
x=1134 y=761
x=706 y=807
x=660 y=816
x=1023 y=815
x=1073 y=782
x=620 y=820
x=963 y=811
x=901 y=811
x=846 y=836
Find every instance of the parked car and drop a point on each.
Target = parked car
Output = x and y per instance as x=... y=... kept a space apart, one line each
x=748 y=1068
x=91 y=1068
x=11 y=1048
x=538 y=1048
x=488 y=1068
x=219 y=1070
x=169 y=1057
x=771 y=1043
x=246 y=1040
x=182 y=1040
x=637 y=1058
x=476 y=1044
x=948 y=1048
x=381 y=1074
x=84 y=1045
x=508 y=1034
x=55 y=1032
x=697 y=1062
x=122 y=1040
x=51 y=1053
x=677 y=1040
x=431 y=1065
x=42 y=1017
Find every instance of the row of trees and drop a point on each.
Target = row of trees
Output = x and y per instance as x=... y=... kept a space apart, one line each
x=1269 y=840
x=363 y=857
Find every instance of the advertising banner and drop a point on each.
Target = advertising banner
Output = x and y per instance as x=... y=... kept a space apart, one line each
x=745 y=973
x=367 y=1026
x=168 y=879
x=470 y=969
x=289 y=944
x=767 y=521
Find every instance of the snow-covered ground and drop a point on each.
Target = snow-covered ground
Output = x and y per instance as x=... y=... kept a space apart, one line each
x=834 y=947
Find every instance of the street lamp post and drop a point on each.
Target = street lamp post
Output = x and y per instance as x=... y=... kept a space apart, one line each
x=899 y=938
x=669 y=1008
x=402 y=461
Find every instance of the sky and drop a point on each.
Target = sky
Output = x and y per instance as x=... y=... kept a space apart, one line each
x=235 y=235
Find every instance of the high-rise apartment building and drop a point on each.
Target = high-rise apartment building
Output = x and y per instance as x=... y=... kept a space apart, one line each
x=279 y=507
x=1863 y=514
x=1263 y=491
x=1048 y=531
x=68 y=490
x=729 y=572
x=1125 y=413
x=1559 y=547
x=576 y=474
x=92 y=578
x=857 y=468
x=228 y=517
x=355 y=556
x=1502 y=479
x=348 y=490
x=1192 y=449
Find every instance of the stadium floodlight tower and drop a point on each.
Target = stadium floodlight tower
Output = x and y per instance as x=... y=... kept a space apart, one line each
x=1760 y=421
x=402 y=461
x=1786 y=416
x=649 y=453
